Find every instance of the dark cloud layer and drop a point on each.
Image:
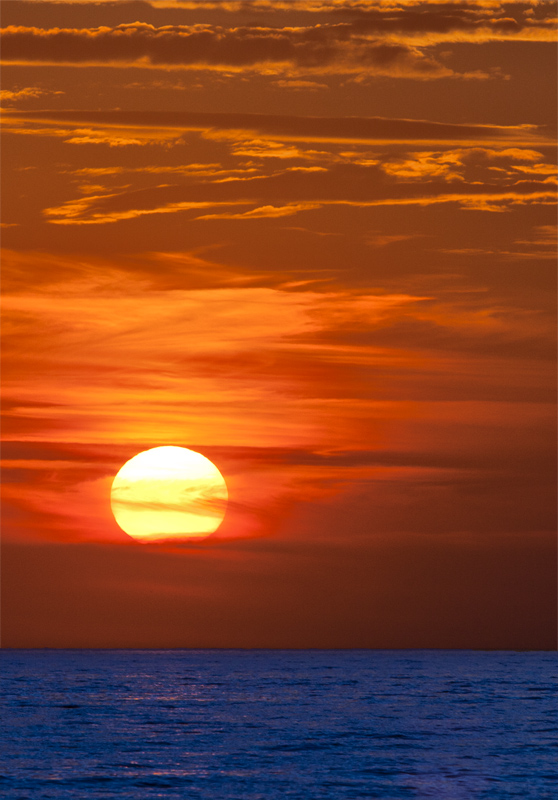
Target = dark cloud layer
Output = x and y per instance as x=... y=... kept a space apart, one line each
x=306 y=128
x=369 y=44
x=500 y=18
x=323 y=48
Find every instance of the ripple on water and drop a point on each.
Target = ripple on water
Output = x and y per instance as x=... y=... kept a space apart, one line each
x=264 y=725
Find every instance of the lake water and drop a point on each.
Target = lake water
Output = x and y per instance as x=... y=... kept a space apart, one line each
x=266 y=724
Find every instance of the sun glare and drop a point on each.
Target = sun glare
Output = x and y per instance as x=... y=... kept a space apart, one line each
x=169 y=493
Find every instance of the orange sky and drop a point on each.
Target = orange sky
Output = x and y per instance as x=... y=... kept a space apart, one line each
x=314 y=241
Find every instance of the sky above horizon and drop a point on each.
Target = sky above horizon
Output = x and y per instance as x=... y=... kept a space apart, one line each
x=315 y=242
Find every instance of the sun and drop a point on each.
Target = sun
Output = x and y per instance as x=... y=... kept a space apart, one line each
x=169 y=493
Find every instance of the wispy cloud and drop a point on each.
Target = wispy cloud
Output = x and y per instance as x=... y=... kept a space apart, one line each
x=308 y=190
x=269 y=212
x=292 y=128
x=27 y=93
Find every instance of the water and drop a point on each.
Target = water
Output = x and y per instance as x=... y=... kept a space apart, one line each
x=261 y=725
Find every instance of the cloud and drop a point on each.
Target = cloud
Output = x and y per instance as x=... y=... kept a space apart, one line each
x=231 y=346
x=299 y=85
x=112 y=141
x=378 y=239
x=411 y=22
x=337 y=49
x=479 y=176
x=166 y=270
x=536 y=169
x=28 y=93
x=545 y=236
x=431 y=23
x=198 y=170
x=113 y=137
x=269 y=212
x=21 y=94
x=261 y=148
x=292 y=191
x=474 y=166
x=78 y=212
x=469 y=164
x=292 y=128
x=542 y=246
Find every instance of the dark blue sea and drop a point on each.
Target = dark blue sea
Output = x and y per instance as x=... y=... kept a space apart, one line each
x=266 y=724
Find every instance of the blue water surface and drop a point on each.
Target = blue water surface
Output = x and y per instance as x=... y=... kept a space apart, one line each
x=266 y=724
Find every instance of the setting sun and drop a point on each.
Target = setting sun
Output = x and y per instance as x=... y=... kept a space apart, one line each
x=169 y=493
